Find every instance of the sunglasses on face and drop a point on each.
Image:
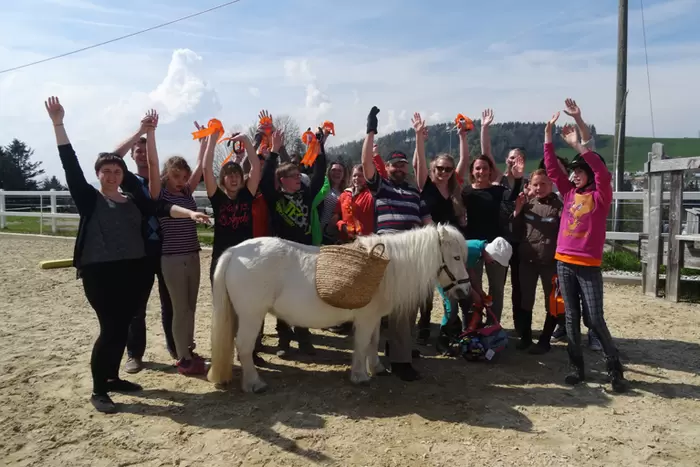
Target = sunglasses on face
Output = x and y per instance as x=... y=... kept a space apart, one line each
x=443 y=169
x=296 y=175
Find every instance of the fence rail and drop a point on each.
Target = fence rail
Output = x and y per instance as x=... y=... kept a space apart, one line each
x=53 y=215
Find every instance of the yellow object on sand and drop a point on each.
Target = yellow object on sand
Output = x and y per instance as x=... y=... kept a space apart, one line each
x=56 y=263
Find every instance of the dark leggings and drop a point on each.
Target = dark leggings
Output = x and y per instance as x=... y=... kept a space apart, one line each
x=115 y=290
x=136 y=343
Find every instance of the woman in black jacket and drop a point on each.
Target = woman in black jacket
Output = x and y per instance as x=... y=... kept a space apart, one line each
x=109 y=253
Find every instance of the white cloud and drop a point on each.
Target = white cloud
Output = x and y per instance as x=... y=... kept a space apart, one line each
x=183 y=92
x=253 y=91
x=435 y=117
x=316 y=103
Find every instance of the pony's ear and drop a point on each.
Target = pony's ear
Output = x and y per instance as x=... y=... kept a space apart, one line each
x=442 y=231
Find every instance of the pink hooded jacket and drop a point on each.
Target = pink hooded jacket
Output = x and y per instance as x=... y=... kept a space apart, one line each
x=583 y=221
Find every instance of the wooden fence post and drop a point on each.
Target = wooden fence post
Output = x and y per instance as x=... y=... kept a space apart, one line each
x=2 y=208
x=53 y=210
x=675 y=253
x=655 y=241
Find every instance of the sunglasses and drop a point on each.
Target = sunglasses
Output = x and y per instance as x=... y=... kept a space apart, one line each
x=441 y=169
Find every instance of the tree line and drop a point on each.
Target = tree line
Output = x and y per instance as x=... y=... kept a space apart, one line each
x=443 y=139
x=19 y=173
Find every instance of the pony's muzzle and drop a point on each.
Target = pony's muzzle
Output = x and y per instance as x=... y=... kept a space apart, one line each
x=461 y=291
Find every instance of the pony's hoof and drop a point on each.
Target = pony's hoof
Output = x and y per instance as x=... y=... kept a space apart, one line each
x=256 y=388
x=359 y=379
x=223 y=386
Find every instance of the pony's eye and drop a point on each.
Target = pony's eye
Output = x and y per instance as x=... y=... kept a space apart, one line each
x=457 y=258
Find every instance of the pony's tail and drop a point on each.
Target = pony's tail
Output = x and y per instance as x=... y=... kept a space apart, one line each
x=224 y=324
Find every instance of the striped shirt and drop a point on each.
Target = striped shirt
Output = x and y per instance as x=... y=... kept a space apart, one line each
x=179 y=235
x=397 y=206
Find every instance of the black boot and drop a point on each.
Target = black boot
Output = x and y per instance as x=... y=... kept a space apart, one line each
x=405 y=371
x=616 y=374
x=443 y=342
x=577 y=374
x=285 y=335
x=524 y=327
x=423 y=336
x=415 y=353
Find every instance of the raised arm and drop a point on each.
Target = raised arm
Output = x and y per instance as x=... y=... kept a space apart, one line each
x=367 y=147
x=551 y=162
x=154 y=184
x=421 y=166
x=517 y=172
x=486 y=121
x=318 y=174
x=150 y=119
x=208 y=163
x=463 y=164
x=601 y=174
x=255 y=172
x=573 y=110
x=81 y=191
x=196 y=175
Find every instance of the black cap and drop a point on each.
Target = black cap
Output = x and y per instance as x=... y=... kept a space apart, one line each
x=396 y=156
x=580 y=162
x=564 y=161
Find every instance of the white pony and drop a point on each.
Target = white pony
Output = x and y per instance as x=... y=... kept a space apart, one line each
x=278 y=276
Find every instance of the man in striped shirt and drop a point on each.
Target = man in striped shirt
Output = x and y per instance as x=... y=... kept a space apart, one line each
x=397 y=207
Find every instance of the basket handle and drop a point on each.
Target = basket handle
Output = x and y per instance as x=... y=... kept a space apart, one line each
x=375 y=247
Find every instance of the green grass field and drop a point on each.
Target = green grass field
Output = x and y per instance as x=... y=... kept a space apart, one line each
x=637 y=150
x=69 y=228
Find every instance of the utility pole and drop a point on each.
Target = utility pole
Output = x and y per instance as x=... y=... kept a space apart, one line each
x=620 y=106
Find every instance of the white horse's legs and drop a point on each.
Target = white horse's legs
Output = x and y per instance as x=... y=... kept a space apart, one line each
x=248 y=327
x=363 y=335
x=375 y=365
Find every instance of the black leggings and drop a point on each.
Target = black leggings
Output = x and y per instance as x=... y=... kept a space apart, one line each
x=116 y=290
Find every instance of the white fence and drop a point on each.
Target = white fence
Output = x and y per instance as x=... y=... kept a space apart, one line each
x=50 y=197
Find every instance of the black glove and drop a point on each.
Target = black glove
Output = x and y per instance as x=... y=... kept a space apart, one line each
x=372 y=122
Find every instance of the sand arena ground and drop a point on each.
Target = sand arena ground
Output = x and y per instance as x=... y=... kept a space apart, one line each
x=513 y=412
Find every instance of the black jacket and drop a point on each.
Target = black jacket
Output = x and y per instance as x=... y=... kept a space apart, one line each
x=85 y=197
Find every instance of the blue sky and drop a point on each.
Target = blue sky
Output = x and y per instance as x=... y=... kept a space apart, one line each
x=335 y=62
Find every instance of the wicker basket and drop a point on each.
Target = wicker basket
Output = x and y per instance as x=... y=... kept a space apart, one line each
x=347 y=276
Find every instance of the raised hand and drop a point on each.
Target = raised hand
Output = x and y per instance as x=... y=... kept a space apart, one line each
x=518 y=168
x=519 y=203
x=372 y=121
x=570 y=135
x=55 y=110
x=418 y=124
x=572 y=110
x=149 y=122
x=264 y=114
x=487 y=117
x=277 y=141
x=552 y=121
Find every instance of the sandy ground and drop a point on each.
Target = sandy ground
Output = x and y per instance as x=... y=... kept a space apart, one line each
x=513 y=412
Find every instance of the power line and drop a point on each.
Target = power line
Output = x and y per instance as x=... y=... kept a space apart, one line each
x=646 y=56
x=119 y=38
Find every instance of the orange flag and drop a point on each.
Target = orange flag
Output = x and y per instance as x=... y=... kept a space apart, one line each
x=463 y=122
x=313 y=147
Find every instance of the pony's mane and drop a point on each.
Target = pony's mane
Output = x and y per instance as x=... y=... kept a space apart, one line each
x=411 y=275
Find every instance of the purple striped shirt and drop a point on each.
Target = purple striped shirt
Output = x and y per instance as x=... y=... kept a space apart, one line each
x=179 y=235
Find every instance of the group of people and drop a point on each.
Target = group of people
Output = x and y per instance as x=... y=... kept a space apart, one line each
x=142 y=226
